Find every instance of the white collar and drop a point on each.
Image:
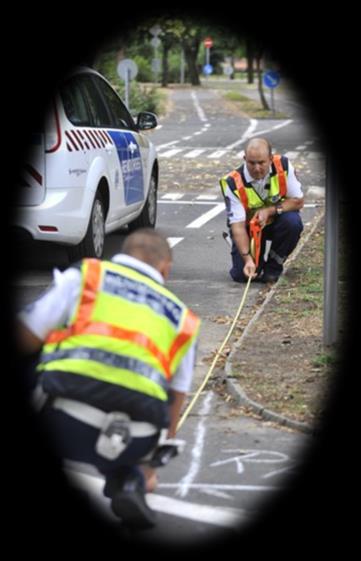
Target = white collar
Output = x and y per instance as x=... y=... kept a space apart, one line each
x=134 y=263
x=249 y=179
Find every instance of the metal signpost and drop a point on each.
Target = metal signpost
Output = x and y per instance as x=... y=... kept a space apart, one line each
x=155 y=42
x=271 y=80
x=208 y=68
x=127 y=70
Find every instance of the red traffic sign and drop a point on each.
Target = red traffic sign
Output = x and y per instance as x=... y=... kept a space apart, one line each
x=208 y=42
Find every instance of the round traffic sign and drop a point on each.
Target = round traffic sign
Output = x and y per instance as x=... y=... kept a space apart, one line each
x=228 y=70
x=155 y=42
x=127 y=69
x=271 y=78
x=208 y=42
x=207 y=69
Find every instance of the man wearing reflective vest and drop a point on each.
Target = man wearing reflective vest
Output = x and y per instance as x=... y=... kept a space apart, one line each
x=117 y=357
x=264 y=187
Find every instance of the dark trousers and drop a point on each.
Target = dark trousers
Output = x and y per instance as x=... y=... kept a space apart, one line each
x=74 y=440
x=284 y=233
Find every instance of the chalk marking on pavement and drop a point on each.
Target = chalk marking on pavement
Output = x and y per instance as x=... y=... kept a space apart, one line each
x=217 y=493
x=278 y=471
x=198 y=107
x=197 y=449
x=174 y=241
x=201 y=220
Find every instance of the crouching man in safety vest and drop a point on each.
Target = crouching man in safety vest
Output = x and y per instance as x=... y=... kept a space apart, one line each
x=264 y=188
x=117 y=357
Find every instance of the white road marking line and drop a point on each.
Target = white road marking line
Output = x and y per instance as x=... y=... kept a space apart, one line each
x=201 y=220
x=292 y=155
x=219 y=516
x=270 y=129
x=186 y=137
x=160 y=146
x=194 y=153
x=245 y=136
x=173 y=196
x=207 y=197
x=197 y=449
x=174 y=241
x=164 y=202
x=198 y=108
x=226 y=487
x=226 y=517
x=240 y=155
x=217 y=154
x=301 y=147
x=170 y=153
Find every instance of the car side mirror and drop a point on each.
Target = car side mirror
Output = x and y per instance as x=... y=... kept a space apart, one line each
x=146 y=121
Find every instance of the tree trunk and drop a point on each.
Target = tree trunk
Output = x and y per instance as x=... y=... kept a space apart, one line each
x=250 y=59
x=165 y=68
x=190 y=54
x=260 y=85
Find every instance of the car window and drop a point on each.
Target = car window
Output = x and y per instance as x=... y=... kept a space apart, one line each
x=121 y=116
x=101 y=116
x=75 y=106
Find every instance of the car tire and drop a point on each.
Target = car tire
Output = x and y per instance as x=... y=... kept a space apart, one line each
x=148 y=216
x=93 y=243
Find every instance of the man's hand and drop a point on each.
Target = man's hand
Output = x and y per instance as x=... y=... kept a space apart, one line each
x=264 y=215
x=249 y=269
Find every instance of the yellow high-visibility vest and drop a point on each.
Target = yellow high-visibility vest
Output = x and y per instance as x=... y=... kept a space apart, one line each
x=127 y=330
x=249 y=198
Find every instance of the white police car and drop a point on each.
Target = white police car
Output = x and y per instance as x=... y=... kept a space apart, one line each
x=91 y=171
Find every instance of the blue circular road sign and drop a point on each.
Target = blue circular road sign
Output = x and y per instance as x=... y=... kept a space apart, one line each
x=207 y=69
x=271 y=78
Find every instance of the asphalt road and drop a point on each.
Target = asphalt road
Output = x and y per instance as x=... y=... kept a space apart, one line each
x=232 y=464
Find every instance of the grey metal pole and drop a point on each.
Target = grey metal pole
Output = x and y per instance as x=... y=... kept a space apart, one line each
x=330 y=299
x=182 y=66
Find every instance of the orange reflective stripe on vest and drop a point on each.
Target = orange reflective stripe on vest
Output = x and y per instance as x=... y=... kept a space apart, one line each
x=240 y=188
x=108 y=330
x=282 y=181
x=90 y=290
x=190 y=324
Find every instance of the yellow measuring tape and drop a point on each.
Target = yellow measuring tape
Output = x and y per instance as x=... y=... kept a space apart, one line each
x=206 y=378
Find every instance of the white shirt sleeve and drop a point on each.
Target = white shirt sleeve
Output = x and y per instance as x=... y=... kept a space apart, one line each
x=55 y=306
x=182 y=379
x=294 y=187
x=235 y=209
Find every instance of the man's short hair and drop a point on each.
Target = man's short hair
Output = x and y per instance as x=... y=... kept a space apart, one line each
x=147 y=245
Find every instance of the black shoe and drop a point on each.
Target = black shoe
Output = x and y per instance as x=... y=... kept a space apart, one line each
x=130 y=505
x=268 y=278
